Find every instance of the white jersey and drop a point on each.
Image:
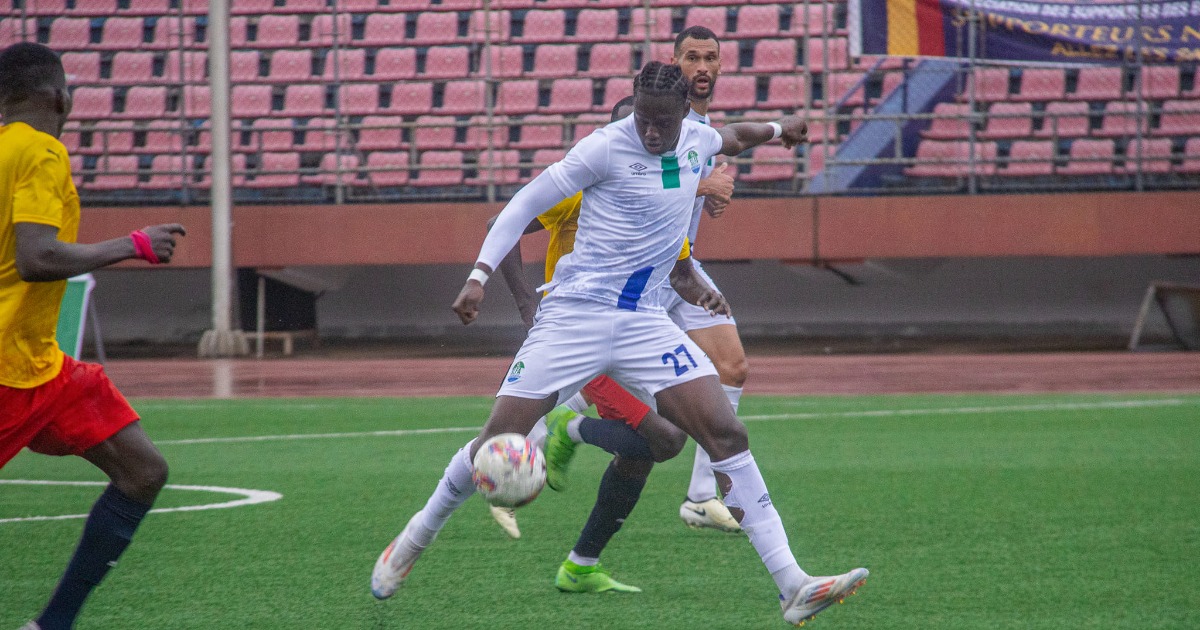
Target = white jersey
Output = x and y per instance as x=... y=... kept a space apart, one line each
x=704 y=172
x=637 y=208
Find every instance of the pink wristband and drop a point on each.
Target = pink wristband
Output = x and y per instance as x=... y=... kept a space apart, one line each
x=142 y=247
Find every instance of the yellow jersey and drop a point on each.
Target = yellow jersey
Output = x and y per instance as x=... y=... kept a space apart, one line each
x=35 y=187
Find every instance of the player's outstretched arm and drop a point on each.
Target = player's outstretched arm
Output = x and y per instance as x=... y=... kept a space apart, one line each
x=512 y=269
x=692 y=287
x=739 y=137
x=41 y=257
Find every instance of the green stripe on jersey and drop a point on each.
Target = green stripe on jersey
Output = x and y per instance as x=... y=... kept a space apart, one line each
x=670 y=175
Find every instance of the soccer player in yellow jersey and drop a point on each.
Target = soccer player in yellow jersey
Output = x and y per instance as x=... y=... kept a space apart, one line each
x=48 y=401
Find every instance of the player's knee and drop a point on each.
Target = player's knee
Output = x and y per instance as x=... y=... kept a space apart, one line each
x=733 y=370
x=147 y=478
x=669 y=445
x=729 y=440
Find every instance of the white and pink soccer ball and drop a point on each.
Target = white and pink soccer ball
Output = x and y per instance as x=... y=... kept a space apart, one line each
x=510 y=470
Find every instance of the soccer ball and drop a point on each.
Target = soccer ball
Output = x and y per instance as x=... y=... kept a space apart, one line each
x=510 y=470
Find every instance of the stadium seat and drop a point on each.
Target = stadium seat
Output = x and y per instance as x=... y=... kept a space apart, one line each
x=395 y=64
x=81 y=67
x=555 y=60
x=814 y=159
x=712 y=18
x=1097 y=83
x=1029 y=158
x=609 y=60
x=812 y=19
x=145 y=102
x=291 y=66
x=463 y=97
x=777 y=55
x=116 y=172
x=544 y=26
x=771 y=163
x=585 y=124
x=436 y=28
x=1179 y=118
x=253 y=7
x=410 y=98
x=250 y=101
x=318 y=135
x=478 y=131
x=512 y=4
x=381 y=133
x=197 y=101
x=70 y=34
x=70 y=139
x=1089 y=157
x=447 y=62
x=736 y=92
x=106 y=136
x=785 y=91
x=1042 y=84
x=92 y=103
x=349 y=64
x=52 y=8
x=1064 y=120
x=387 y=169
x=275 y=170
x=121 y=34
x=460 y=5
x=665 y=51
x=544 y=158
x=989 y=84
x=540 y=132
x=500 y=23
x=384 y=29
x=270 y=135
x=504 y=168
x=1008 y=120
x=321 y=30
x=149 y=8
x=359 y=6
x=507 y=62
x=1155 y=155
x=758 y=21
x=660 y=26
x=167 y=172
x=836 y=49
x=439 y=168
x=615 y=89
x=278 y=31
x=358 y=99
x=193 y=69
x=435 y=132
x=304 y=100
x=517 y=97
x=244 y=66
x=328 y=171
x=93 y=8
x=169 y=33
x=838 y=85
x=1191 y=160
x=950 y=122
x=569 y=96
x=13 y=30
x=1157 y=83
x=307 y=6
x=596 y=25
x=1122 y=119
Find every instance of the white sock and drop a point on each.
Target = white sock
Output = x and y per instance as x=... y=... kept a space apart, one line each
x=537 y=434
x=760 y=521
x=577 y=403
x=573 y=429
x=581 y=561
x=452 y=491
x=734 y=394
x=703 y=485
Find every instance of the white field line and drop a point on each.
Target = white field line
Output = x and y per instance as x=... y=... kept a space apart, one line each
x=875 y=413
x=249 y=497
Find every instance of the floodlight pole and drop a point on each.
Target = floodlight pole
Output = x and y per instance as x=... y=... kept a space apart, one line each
x=222 y=340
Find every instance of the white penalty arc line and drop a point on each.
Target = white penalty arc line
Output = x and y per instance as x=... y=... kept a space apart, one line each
x=876 y=413
x=249 y=497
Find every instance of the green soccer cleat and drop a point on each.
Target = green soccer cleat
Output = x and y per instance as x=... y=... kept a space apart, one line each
x=573 y=578
x=559 y=447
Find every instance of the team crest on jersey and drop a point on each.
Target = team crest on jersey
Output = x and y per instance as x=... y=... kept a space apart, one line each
x=514 y=374
x=693 y=159
x=638 y=168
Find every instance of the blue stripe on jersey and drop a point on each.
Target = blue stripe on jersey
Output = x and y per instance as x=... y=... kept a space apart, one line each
x=632 y=292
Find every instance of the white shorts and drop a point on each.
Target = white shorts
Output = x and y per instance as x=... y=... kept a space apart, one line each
x=689 y=316
x=575 y=340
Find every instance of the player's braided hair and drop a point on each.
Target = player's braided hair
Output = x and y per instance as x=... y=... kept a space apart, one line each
x=661 y=79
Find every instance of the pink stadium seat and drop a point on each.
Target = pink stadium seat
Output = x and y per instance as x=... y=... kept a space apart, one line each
x=436 y=28
x=359 y=6
x=359 y=99
x=307 y=6
x=950 y=122
x=81 y=67
x=167 y=172
x=776 y=55
x=410 y=97
x=660 y=25
x=1122 y=119
x=507 y=62
x=1089 y=157
x=121 y=34
x=555 y=60
x=838 y=86
x=1157 y=83
x=546 y=157
x=814 y=159
x=94 y=8
x=44 y=7
x=304 y=100
x=712 y=18
x=1029 y=158
x=434 y=132
x=596 y=25
x=70 y=34
x=608 y=60
x=383 y=29
x=615 y=89
x=1042 y=84
x=544 y=26
x=820 y=130
x=586 y=124
x=569 y=96
x=290 y=66
x=1008 y=120
x=758 y=21
x=1097 y=83
x=270 y=135
x=70 y=139
x=1191 y=160
x=116 y=172
x=381 y=133
x=463 y=97
x=814 y=19
x=169 y=32
x=328 y=171
x=836 y=49
x=517 y=97
x=439 y=168
x=278 y=31
x=163 y=136
x=540 y=132
x=193 y=69
x=478 y=131
x=771 y=163
x=1179 y=118
x=13 y=30
x=512 y=4
x=989 y=84
x=393 y=64
x=197 y=101
x=953 y=159
x=1064 y=120
x=447 y=62
x=149 y=8
x=250 y=101
x=460 y=5
x=785 y=91
x=665 y=51
x=105 y=136
x=349 y=63
x=92 y=103
x=387 y=169
x=145 y=102
x=320 y=134
x=500 y=25
x=504 y=169
x=243 y=66
x=408 y=6
x=1155 y=155
x=322 y=29
x=252 y=7
x=275 y=170
x=736 y=92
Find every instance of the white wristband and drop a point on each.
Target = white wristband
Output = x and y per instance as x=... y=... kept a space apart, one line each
x=479 y=275
x=778 y=129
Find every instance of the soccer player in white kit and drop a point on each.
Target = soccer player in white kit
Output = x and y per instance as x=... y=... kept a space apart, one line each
x=639 y=178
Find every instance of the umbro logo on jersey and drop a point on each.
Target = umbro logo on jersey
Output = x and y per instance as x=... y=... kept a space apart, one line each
x=764 y=500
x=638 y=168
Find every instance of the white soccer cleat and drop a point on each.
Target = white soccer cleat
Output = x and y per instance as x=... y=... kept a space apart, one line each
x=395 y=563
x=711 y=514
x=507 y=519
x=820 y=593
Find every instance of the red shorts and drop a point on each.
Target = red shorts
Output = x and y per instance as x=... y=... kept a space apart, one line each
x=614 y=403
x=68 y=415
